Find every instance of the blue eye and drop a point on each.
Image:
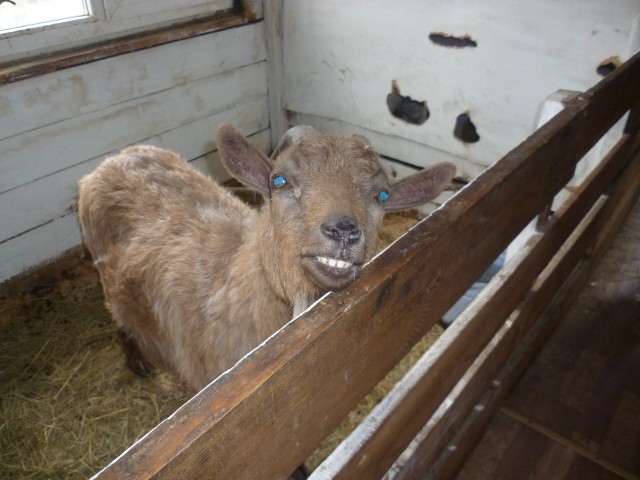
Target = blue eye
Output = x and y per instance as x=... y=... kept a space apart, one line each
x=383 y=196
x=279 y=181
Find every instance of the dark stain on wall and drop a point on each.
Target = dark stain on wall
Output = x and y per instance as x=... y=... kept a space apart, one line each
x=451 y=41
x=406 y=108
x=465 y=130
x=608 y=65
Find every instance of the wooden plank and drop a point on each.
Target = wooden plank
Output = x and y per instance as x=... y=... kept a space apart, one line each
x=38 y=202
x=595 y=237
x=512 y=448
x=300 y=383
x=121 y=10
x=418 y=396
x=507 y=290
x=575 y=447
x=33 y=55
x=59 y=189
x=48 y=99
x=210 y=162
x=69 y=142
x=39 y=245
x=273 y=36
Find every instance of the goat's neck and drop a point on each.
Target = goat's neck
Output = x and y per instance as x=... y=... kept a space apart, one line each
x=281 y=270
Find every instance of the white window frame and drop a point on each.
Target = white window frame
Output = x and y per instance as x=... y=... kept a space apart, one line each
x=108 y=19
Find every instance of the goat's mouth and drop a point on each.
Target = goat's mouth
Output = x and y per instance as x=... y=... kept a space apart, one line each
x=331 y=273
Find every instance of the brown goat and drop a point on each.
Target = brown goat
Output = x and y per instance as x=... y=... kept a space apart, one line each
x=195 y=278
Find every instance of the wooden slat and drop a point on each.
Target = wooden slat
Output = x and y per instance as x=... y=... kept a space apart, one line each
x=16 y=70
x=263 y=417
x=516 y=449
x=87 y=136
x=59 y=232
x=38 y=202
x=418 y=396
x=593 y=239
x=48 y=99
x=23 y=207
x=575 y=447
x=273 y=19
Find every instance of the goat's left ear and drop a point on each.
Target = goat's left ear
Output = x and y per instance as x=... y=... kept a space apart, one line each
x=244 y=161
x=419 y=188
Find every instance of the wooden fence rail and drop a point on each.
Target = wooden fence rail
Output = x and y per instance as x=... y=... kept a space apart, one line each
x=267 y=414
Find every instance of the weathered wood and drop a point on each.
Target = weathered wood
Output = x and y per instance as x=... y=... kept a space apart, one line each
x=60 y=232
x=447 y=420
x=87 y=136
x=34 y=203
x=593 y=238
x=47 y=99
x=539 y=458
x=280 y=393
x=576 y=447
x=20 y=70
x=273 y=36
x=408 y=406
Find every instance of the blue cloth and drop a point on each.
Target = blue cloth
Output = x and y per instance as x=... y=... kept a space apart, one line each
x=473 y=292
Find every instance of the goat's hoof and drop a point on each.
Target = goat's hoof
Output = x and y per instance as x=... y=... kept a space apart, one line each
x=141 y=368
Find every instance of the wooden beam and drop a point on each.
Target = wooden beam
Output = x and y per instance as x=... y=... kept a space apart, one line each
x=19 y=70
x=481 y=378
x=263 y=417
x=414 y=399
x=273 y=12
x=586 y=247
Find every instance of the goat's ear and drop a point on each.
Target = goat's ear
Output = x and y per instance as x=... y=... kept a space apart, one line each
x=420 y=187
x=244 y=161
x=292 y=136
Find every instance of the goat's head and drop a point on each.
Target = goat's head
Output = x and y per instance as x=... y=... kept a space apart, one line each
x=326 y=197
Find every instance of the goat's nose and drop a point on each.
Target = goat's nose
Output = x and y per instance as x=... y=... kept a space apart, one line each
x=342 y=229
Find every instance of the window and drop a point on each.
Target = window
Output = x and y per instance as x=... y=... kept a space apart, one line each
x=17 y=15
x=38 y=27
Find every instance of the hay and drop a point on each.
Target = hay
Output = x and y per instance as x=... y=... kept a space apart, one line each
x=69 y=404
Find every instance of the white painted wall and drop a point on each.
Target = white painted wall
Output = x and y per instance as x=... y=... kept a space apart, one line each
x=341 y=57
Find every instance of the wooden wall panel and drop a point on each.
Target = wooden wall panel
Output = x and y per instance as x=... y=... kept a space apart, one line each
x=110 y=19
x=59 y=126
x=341 y=59
x=36 y=203
x=53 y=148
x=59 y=234
x=37 y=153
x=44 y=100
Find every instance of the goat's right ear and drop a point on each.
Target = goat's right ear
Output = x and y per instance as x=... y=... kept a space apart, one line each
x=244 y=161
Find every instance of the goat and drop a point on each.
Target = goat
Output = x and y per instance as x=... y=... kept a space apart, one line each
x=195 y=278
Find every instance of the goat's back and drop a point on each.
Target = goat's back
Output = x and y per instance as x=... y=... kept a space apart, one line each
x=162 y=237
x=148 y=190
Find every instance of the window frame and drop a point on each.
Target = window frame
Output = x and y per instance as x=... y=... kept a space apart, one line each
x=108 y=20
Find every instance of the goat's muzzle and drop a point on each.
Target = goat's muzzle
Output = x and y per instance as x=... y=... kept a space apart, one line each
x=339 y=255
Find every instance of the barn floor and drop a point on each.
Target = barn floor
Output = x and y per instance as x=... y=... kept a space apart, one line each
x=575 y=413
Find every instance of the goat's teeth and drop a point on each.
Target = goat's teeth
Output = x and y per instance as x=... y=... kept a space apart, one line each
x=334 y=263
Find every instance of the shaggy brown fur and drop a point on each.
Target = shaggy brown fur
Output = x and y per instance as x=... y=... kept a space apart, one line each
x=195 y=278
